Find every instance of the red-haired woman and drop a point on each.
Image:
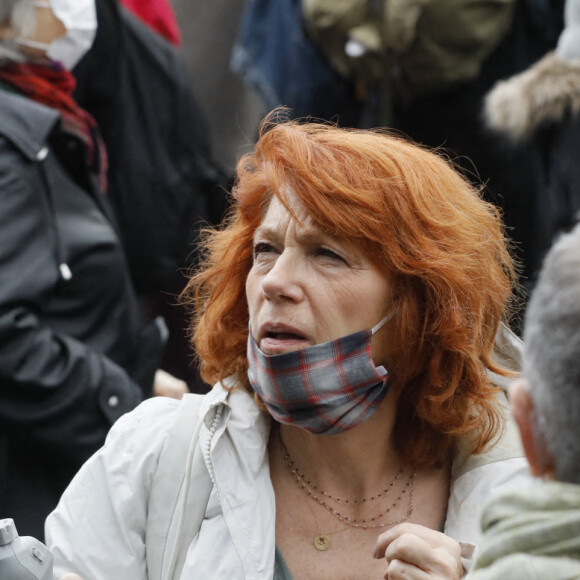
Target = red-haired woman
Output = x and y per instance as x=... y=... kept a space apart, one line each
x=347 y=312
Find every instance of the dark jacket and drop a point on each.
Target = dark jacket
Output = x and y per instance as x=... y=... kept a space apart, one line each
x=538 y=111
x=162 y=179
x=74 y=353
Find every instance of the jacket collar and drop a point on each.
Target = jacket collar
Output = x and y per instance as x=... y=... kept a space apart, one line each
x=25 y=123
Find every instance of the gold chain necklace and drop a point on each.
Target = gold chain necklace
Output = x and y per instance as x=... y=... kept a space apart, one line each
x=322 y=541
x=303 y=481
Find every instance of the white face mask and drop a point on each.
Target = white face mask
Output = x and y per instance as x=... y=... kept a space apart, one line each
x=79 y=17
x=569 y=41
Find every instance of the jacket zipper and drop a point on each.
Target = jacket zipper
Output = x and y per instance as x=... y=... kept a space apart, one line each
x=63 y=267
x=207 y=446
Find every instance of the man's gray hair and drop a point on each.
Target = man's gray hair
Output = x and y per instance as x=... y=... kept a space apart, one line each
x=552 y=354
x=16 y=14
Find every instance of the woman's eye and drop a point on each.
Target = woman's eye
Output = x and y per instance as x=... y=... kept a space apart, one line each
x=262 y=248
x=327 y=253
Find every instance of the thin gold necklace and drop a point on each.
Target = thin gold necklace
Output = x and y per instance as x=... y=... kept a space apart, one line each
x=304 y=482
x=322 y=541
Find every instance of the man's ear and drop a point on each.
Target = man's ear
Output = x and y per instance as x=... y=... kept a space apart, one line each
x=533 y=440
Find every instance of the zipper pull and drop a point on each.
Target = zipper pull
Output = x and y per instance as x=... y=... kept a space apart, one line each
x=65 y=272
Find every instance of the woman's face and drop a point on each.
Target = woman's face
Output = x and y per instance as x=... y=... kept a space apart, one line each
x=306 y=287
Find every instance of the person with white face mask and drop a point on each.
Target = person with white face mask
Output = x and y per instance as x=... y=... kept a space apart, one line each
x=350 y=312
x=76 y=351
x=64 y=31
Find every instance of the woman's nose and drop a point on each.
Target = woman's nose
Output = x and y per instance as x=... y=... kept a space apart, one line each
x=285 y=278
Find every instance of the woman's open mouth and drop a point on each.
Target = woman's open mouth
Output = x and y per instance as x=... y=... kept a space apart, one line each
x=276 y=339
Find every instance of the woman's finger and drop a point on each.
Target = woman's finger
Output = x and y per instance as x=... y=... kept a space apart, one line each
x=414 y=551
x=399 y=570
x=411 y=549
x=434 y=538
x=441 y=559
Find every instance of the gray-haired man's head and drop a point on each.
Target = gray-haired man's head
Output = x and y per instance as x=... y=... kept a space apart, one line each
x=552 y=355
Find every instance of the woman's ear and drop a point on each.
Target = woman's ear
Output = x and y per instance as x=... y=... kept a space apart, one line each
x=532 y=436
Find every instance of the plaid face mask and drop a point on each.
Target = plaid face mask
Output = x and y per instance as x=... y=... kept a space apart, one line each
x=326 y=388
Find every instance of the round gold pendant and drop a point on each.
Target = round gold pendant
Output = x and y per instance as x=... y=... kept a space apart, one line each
x=321 y=542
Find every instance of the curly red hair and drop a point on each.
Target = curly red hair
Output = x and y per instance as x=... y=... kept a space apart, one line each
x=418 y=219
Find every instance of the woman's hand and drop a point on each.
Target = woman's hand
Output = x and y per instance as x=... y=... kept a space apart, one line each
x=418 y=553
x=166 y=385
x=71 y=577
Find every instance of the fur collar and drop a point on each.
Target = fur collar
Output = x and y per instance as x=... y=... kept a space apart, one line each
x=544 y=93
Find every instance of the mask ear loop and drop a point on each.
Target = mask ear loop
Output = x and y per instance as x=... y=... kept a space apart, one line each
x=380 y=324
x=32 y=43
x=381 y=369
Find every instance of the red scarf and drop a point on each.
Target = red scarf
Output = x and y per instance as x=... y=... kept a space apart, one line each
x=158 y=15
x=53 y=87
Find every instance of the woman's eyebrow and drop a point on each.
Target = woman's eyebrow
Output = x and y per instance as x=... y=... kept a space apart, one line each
x=315 y=235
x=308 y=234
x=263 y=231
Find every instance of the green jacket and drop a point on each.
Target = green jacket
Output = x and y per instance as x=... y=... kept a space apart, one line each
x=531 y=534
x=424 y=46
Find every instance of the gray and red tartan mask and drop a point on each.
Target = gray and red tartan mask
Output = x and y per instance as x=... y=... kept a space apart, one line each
x=326 y=388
